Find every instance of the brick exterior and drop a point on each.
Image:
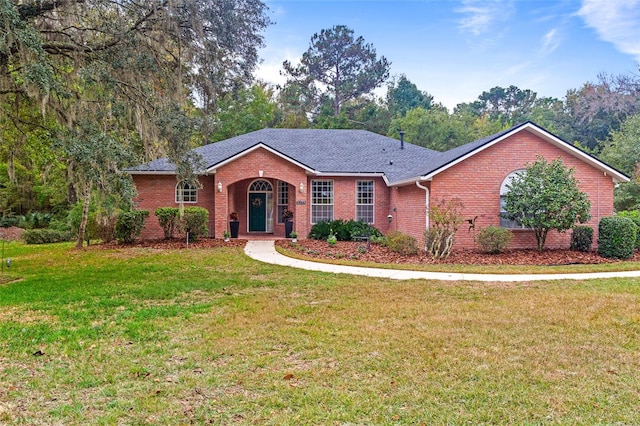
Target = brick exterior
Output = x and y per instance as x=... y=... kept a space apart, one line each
x=476 y=181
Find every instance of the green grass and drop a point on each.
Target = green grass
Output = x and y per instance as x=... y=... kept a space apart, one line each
x=139 y=336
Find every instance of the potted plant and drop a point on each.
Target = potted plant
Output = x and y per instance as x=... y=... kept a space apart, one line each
x=234 y=224
x=294 y=236
x=287 y=217
x=226 y=235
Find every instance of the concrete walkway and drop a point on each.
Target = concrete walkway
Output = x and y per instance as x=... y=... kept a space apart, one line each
x=264 y=251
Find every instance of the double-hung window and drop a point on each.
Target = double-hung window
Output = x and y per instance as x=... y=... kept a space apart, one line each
x=321 y=200
x=364 y=201
x=186 y=193
x=283 y=199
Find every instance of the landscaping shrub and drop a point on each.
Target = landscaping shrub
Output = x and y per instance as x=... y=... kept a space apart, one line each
x=169 y=218
x=332 y=239
x=357 y=228
x=194 y=221
x=493 y=239
x=343 y=230
x=581 y=238
x=129 y=225
x=401 y=243
x=445 y=216
x=616 y=237
x=45 y=236
x=634 y=215
x=8 y=220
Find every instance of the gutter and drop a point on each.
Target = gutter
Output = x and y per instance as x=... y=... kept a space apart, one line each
x=426 y=203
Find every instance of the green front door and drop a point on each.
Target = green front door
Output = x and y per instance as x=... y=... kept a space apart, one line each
x=257 y=212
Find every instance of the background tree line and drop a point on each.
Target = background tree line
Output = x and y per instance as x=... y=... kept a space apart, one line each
x=89 y=87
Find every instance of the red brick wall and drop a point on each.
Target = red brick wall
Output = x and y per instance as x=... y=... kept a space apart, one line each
x=477 y=182
x=160 y=191
x=410 y=212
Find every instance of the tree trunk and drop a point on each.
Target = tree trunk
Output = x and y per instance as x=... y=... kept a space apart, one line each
x=85 y=216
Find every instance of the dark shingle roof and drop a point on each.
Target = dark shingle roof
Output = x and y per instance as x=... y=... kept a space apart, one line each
x=323 y=151
x=351 y=152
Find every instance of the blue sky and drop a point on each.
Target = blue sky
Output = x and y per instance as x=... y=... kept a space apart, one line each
x=455 y=50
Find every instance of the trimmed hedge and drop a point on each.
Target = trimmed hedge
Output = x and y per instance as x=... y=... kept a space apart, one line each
x=493 y=239
x=129 y=225
x=169 y=219
x=45 y=236
x=343 y=230
x=581 y=238
x=616 y=237
x=195 y=221
x=401 y=243
x=634 y=215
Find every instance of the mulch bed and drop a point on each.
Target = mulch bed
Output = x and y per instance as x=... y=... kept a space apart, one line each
x=175 y=243
x=12 y=233
x=380 y=254
x=375 y=252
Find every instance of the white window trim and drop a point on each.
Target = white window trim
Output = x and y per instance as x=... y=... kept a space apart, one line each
x=373 y=199
x=333 y=199
x=503 y=191
x=281 y=184
x=179 y=192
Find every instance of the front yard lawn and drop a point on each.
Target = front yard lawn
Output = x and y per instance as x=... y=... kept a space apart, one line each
x=209 y=336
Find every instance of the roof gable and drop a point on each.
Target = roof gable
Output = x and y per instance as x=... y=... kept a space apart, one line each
x=456 y=155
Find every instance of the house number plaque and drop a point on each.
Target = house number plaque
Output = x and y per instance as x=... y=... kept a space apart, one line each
x=301 y=203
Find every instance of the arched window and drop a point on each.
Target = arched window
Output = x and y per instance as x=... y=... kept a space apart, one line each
x=506 y=223
x=186 y=193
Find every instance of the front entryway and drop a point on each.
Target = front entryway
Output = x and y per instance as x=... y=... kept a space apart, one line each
x=260 y=206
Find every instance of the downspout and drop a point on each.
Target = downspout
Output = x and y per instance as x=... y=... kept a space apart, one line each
x=426 y=203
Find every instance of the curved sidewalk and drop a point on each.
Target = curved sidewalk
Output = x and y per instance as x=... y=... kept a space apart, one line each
x=265 y=251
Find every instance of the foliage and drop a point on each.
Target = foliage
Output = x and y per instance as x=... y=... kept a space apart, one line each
x=494 y=239
x=634 y=215
x=332 y=239
x=194 y=221
x=401 y=243
x=129 y=225
x=581 y=238
x=343 y=230
x=168 y=217
x=546 y=196
x=287 y=215
x=89 y=88
x=616 y=237
x=244 y=111
x=344 y=65
x=436 y=129
x=9 y=221
x=622 y=150
x=403 y=96
x=598 y=108
x=444 y=216
x=45 y=236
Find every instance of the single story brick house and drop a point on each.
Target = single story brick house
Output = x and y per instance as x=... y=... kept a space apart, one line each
x=355 y=174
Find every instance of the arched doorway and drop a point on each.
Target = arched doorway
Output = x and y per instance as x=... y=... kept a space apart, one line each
x=260 y=206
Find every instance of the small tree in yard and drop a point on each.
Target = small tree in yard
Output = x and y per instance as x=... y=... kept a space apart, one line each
x=544 y=197
x=445 y=216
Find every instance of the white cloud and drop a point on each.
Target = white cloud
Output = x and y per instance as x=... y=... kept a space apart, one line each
x=550 y=41
x=615 y=21
x=480 y=15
